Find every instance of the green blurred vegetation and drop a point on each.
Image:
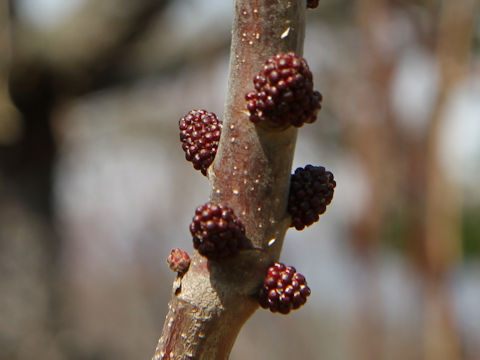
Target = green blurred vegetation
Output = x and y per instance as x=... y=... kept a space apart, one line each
x=471 y=232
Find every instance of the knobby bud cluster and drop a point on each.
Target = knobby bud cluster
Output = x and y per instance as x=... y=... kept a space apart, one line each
x=200 y=133
x=283 y=289
x=217 y=232
x=311 y=190
x=283 y=94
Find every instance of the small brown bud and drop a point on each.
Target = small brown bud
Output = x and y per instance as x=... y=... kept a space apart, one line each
x=179 y=261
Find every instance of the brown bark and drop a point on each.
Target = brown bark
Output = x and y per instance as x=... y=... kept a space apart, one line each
x=250 y=174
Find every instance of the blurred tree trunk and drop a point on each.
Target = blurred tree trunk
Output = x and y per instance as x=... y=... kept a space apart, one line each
x=432 y=200
x=442 y=241
x=34 y=82
x=374 y=138
x=26 y=159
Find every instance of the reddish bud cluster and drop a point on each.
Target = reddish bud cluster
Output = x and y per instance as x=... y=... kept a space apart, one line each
x=179 y=261
x=312 y=4
x=311 y=190
x=284 y=93
x=200 y=133
x=283 y=289
x=217 y=232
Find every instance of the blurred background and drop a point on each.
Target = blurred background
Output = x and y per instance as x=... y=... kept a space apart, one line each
x=95 y=192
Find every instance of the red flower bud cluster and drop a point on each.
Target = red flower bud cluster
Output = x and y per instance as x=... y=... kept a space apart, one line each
x=284 y=93
x=311 y=190
x=200 y=133
x=283 y=289
x=217 y=232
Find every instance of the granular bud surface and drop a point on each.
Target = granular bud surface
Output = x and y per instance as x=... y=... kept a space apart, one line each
x=217 y=232
x=200 y=133
x=283 y=93
x=311 y=191
x=284 y=289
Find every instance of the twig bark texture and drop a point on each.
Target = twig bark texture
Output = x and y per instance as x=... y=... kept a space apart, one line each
x=250 y=174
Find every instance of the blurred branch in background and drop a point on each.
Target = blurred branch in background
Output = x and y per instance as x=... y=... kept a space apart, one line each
x=442 y=238
x=402 y=168
x=24 y=281
x=48 y=69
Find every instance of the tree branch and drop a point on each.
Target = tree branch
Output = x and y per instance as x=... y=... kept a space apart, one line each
x=250 y=174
